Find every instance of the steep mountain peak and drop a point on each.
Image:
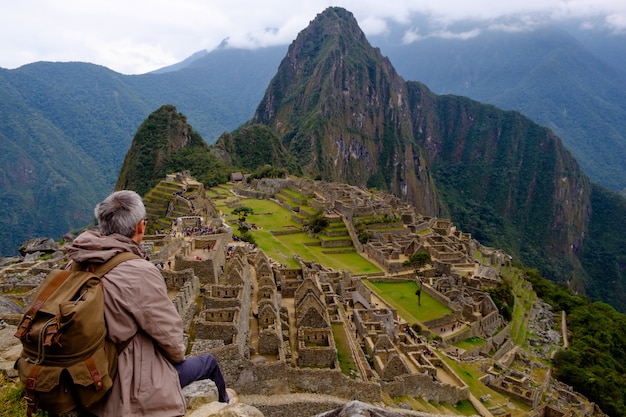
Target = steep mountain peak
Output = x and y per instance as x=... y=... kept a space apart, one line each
x=343 y=111
x=334 y=22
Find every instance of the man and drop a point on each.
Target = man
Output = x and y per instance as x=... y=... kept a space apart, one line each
x=140 y=319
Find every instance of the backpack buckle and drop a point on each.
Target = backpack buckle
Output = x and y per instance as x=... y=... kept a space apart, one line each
x=52 y=333
x=24 y=326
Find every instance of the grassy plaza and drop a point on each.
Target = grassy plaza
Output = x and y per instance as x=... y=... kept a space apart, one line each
x=268 y=217
x=401 y=296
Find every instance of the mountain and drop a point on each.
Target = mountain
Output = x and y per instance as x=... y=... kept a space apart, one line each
x=448 y=154
x=166 y=143
x=61 y=117
x=345 y=115
x=342 y=111
x=548 y=74
x=67 y=126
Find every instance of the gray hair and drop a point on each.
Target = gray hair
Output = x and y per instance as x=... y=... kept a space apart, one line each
x=120 y=213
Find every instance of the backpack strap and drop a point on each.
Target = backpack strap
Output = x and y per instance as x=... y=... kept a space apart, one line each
x=102 y=269
x=31 y=398
x=58 y=279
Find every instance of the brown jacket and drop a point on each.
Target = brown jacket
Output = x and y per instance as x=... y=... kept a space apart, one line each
x=138 y=312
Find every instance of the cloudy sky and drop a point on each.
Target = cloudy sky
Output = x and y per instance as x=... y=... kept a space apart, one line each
x=137 y=36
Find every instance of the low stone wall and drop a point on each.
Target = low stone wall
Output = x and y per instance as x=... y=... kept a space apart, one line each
x=336 y=243
x=333 y=382
x=423 y=385
x=295 y=405
x=285 y=232
x=338 y=251
x=508 y=345
x=204 y=270
x=441 y=322
x=437 y=295
x=251 y=193
x=170 y=249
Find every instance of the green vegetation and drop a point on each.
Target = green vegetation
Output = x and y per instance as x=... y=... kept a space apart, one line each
x=316 y=223
x=280 y=237
x=11 y=399
x=470 y=344
x=344 y=353
x=418 y=260
x=595 y=362
x=256 y=148
x=604 y=252
x=502 y=296
x=165 y=143
x=401 y=296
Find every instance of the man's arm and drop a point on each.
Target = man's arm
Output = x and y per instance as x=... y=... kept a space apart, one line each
x=155 y=313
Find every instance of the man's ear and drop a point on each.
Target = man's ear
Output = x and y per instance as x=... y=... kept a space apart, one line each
x=140 y=230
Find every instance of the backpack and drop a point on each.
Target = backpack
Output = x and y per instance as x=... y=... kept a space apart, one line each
x=67 y=362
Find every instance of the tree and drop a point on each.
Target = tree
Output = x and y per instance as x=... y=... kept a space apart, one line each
x=242 y=212
x=317 y=222
x=417 y=261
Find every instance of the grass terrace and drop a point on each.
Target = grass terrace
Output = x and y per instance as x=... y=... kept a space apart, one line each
x=269 y=217
x=401 y=296
x=470 y=375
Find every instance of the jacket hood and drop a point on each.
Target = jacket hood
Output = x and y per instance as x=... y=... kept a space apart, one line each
x=91 y=246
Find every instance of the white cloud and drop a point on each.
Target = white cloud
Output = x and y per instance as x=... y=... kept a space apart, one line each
x=140 y=35
x=411 y=36
x=617 y=22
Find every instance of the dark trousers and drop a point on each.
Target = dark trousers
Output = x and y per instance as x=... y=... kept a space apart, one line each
x=196 y=368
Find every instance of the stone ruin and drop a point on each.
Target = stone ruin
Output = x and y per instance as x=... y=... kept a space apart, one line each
x=273 y=328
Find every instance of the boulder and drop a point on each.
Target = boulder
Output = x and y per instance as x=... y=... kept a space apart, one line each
x=8 y=306
x=40 y=244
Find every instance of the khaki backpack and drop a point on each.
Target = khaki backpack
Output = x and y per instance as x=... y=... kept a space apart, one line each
x=67 y=362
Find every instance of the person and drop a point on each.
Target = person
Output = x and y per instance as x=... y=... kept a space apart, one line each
x=140 y=319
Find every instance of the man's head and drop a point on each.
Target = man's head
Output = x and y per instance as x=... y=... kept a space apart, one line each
x=122 y=212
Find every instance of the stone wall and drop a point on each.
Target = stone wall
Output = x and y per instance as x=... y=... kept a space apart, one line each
x=336 y=243
x=204 y=270
x=316 y=347
x=270 y=342
x=170 y=249
x=423 y=385
x=333 y=382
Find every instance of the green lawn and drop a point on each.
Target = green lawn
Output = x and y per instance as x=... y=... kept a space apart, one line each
x=470 y=344
x=470 y=375
x=269 y=216
x=344 y=354
x=401 y=296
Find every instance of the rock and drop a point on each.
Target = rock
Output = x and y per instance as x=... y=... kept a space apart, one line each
x=40 y=244
x=8 y=306
x=199 y=393
x=224 y=410
x=9 y=261
x=10 y=349
x=32 y=257
x=68 y=237
x=358 y=408
x=405 y=406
